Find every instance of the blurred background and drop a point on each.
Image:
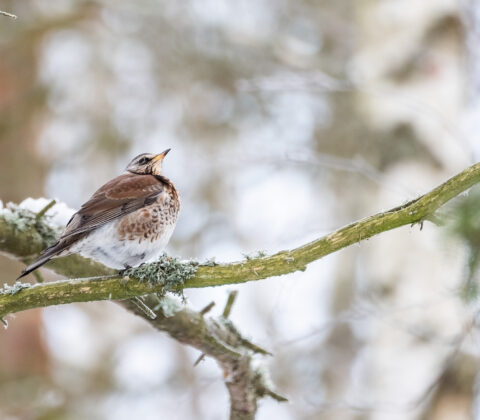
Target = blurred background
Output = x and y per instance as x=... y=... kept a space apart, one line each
x=286 y=120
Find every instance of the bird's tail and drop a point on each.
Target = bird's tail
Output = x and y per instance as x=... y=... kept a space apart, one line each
x=46 y=256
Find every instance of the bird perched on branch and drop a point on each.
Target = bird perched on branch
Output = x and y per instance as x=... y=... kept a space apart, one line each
x=126 y=222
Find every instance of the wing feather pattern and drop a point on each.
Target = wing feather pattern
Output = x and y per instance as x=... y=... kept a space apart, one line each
x=118 y=197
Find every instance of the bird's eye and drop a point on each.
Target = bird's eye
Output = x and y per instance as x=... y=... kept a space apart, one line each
x=143 y=161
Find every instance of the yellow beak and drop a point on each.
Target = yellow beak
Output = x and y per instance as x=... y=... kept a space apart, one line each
x=160 y=156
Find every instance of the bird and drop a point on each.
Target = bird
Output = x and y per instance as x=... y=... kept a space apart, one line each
x=127 y=221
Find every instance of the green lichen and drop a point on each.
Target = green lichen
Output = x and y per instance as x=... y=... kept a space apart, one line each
x=24 y=219
x=14 y=289
x=167 y=271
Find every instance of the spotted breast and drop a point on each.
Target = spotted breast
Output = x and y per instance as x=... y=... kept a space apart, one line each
x=140 y=236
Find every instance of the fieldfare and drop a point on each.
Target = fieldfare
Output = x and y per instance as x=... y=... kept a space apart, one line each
x=126 y=222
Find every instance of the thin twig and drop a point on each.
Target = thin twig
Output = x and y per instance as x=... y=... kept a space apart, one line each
x=140 y=304
x=10 y=15
x=199 y=359
x=207 y=308
x=204 y=311
x=42 y=212
x=226 y=313
x=230 y=301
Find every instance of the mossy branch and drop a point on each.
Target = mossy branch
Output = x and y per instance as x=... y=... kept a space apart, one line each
x=28 y=239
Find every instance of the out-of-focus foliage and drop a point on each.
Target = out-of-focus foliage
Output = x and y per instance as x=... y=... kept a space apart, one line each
x=286 y=119
x=465 y=224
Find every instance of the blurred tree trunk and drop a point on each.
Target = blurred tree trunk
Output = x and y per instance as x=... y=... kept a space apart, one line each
x=455 y=395
x=21 y=99
x=23 y=356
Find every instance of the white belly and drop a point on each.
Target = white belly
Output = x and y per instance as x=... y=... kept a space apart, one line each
x=104 y=246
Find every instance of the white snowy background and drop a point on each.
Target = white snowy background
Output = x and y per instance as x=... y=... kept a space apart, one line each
x=282 y=119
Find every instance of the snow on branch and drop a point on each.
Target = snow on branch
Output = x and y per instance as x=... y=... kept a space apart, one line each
x=23 y=236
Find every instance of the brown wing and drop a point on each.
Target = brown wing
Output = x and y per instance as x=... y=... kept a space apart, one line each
x=120 y=196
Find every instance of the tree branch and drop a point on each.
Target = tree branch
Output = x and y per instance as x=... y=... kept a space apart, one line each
x=219 y=339
x=24 y=239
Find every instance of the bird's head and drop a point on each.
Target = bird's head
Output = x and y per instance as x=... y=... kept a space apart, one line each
x=147 y=163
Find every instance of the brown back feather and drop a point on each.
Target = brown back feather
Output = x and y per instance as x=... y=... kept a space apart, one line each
x=118 y=197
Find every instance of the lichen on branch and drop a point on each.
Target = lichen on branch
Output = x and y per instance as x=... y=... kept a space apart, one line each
x=168 y=272
x=26 y=240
